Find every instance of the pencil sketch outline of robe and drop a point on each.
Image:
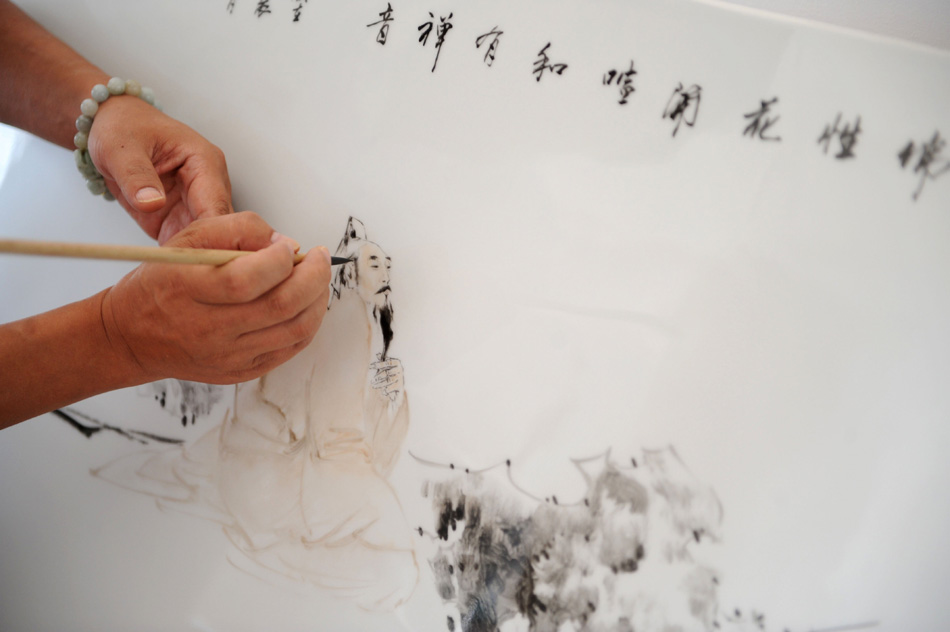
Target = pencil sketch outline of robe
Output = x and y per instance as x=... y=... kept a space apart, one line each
x=305 y=457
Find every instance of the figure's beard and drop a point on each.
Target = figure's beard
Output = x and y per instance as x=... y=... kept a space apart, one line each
x=384 y=316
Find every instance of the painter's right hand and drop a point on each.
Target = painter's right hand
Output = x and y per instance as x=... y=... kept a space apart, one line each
x=223 y=324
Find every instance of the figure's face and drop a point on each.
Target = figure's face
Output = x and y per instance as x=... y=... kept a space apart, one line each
x=372 y=274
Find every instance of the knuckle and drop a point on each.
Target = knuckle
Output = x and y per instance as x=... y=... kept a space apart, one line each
x=301 y=329
x=218 y=156
x=236 y=288
x=264 y=363
x=300 y=346
x=250 y=222
x=245 y=219
x=221 y=206
x=281 y=305
x=138 y=168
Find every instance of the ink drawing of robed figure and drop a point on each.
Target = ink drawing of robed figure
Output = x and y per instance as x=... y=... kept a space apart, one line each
x=304 y=459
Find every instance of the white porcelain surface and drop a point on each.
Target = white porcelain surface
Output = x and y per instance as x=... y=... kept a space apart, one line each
x=568 y=277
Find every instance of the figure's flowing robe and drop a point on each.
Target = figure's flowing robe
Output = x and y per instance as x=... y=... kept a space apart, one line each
x=304 y=460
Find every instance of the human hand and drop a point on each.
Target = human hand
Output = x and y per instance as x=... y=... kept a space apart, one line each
x=161 y=171
x=224 y=324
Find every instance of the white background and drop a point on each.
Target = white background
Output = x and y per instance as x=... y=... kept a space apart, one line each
x=567 y=277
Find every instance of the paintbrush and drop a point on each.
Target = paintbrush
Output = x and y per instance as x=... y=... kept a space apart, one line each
x=133 y=253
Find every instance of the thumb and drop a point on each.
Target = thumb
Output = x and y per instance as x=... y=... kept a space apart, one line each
x=136 y=176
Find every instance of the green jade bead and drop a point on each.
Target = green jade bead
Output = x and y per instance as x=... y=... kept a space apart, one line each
x=84 y=164
x=96 y=186
x=84 y=123
x=89 y=172
x=116 y=86
x=133 y=88
x=100 y=93
x=81 y=140
x=89 y=107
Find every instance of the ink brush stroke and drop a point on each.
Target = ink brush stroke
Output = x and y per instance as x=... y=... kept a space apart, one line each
x=133 y=253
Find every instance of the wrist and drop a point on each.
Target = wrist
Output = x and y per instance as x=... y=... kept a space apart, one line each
x=102 y=98
x=117 y=344
x=81 y=82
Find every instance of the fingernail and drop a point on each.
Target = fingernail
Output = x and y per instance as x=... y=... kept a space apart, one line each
x=148 y=194
x=325 y=253
x=274 y=238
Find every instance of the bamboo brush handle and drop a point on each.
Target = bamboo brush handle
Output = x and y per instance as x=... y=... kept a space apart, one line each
x=125 y=253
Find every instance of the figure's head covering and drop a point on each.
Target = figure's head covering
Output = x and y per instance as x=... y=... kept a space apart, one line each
x=349 y=248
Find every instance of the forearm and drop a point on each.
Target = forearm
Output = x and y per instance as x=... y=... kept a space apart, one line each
x=60 y=357
x=42 y=80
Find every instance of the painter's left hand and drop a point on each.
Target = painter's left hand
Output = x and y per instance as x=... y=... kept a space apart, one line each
x=161 y=171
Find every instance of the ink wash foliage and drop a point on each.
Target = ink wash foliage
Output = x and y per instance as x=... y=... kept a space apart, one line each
x=184 y=400
x=621 y=558
x=297 y=471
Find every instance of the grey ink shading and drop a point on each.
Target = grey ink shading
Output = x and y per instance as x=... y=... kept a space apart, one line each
x=90 y=426
x=445 y=25
x=847 y=137
x=543 y=62
x=760 y=121
x=623 y=79
x=297 y=472
x=263 y=8
x=683 y=106
x=619 y=558
x=186 y=401
x=930 y=162
x=492 y=37
x=386 y=16
x=749 y=620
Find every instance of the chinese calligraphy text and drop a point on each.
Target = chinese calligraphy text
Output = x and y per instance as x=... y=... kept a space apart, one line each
x=760 y=121
x=543 y=62
x=847 y=137
x=683 y=106
x=623 y=79
x=930 y=161
x=386 y=16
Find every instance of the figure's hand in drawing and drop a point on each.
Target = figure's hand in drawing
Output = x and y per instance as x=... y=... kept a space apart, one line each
x=161 y=171
x=388 y=378
x=223 y=324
